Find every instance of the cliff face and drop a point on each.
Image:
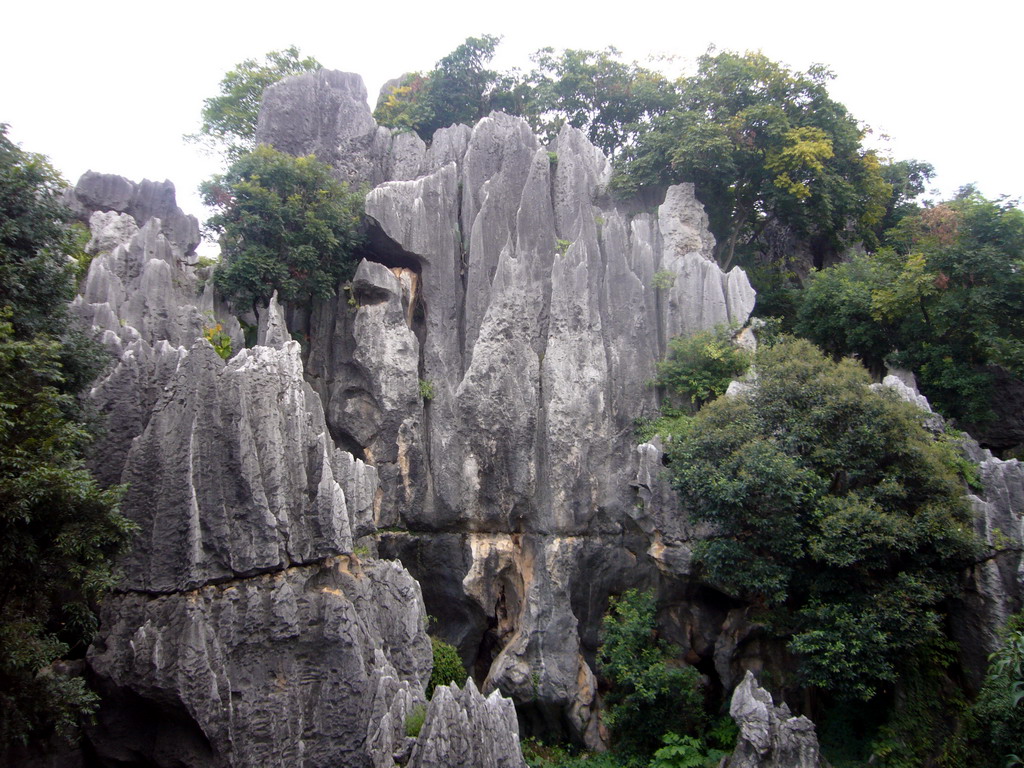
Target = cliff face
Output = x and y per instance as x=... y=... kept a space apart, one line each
x=246 y=630
x=492 y=369
x=467 y=406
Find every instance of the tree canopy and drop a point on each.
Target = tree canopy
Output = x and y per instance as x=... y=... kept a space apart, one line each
x=764 y=146
x=58 y=529
x=611 y=100
x=833 y=509
x=943 y=298
x=285 y=224
x=777 y=162
x=460 y=89
x=229 y=119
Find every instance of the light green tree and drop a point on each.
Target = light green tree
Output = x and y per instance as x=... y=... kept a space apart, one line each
x=229 y=119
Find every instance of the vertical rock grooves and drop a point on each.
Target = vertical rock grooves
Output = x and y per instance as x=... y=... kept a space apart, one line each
x=246 y=630
x=539 y=336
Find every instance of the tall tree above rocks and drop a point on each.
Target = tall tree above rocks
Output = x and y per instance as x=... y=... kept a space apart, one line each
x=767 y=148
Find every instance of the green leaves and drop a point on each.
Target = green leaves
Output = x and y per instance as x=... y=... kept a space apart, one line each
x=458 y=90
x=59 y=531
x=700 y=367
x=764 y=146
x=650 y=694
x=285 y=224
x=830 y=504
x=943 y=299
x=229 y=120
x=447 y=667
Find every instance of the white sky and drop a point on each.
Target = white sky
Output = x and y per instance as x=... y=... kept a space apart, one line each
x=113 y=86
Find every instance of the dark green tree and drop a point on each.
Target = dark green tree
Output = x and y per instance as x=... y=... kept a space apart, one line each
x=765 y=147
x=460 y=89
x=285 y=224
x=833 y=510
x=650 y=693
x=58 y=529
x=993 y=736
x=229 y=120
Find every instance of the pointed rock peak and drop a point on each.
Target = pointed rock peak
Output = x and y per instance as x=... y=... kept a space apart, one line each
x=272 y=331
x=684 y=223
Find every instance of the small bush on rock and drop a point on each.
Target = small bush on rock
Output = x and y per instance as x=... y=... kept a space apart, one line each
x=447 y=666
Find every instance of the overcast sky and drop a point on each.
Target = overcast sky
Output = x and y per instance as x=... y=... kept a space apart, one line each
x=113 y=86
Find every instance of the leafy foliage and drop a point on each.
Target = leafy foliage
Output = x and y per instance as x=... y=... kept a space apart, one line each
x=650 y=694
x=285 y=224
x=58 y=529
x=427 y=389
x=927 y=704
x=447 y=666
x=219 y=339
x=832 y=507
x=685 y=752
x=460 y=89
x=763 y=145
x=946 y=294
x=229 y=120
x=700 y=367
x=414 y=720
x=610 y=100
x=994 y=731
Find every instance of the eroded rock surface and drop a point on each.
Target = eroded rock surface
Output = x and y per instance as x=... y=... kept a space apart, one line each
x=462 y=727
x=770 y=737
x=246 y=630
x=491 y=367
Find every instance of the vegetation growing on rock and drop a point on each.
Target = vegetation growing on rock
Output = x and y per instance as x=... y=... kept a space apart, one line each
x=285 y=224
x=833 y=510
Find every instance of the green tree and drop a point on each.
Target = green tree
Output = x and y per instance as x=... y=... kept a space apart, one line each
x=650 y=693
x=764 y=146
x=700 y=367
x=994 y=733
x=229 y=120
x=460 y=89
x=285 y=224
x=943 y=298
x=58 y=530
x=610 y=100
x=833 y=510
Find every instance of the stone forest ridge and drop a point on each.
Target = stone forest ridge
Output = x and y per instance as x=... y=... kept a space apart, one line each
x=448 y=443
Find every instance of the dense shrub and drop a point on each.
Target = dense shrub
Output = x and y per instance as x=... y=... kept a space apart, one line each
x=447 y=666
x=650 y=692
x=834 y=511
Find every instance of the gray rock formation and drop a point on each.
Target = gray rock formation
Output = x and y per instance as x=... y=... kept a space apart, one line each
x=770 y=737
x=246 y=630
x=143 y=201
x=276 y=670
x=523 y=299
x=142 y=297
x=464 y=728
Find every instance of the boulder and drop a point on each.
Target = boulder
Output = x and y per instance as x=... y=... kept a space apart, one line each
x=770 y=736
